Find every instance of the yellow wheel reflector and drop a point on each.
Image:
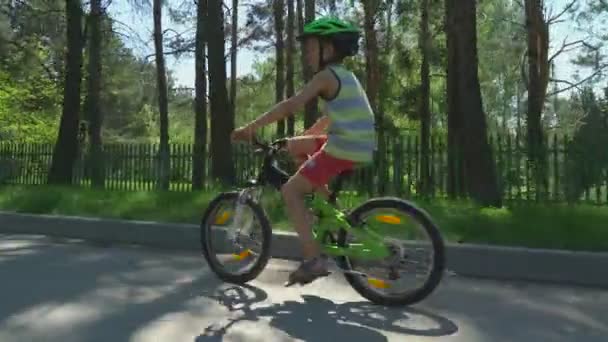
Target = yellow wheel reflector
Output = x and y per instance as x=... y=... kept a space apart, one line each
x=378 y=283
x=242 y=255
x=222 y=218
x=390 y=219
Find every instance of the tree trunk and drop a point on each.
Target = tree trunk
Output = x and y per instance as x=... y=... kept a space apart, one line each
x=518 y=99
x=278 y=9
x=163 y=107
x=199 y=156
x=93 y=97
x=372 y=85
x=464 y=97
x=455 y=149
x=370 y=8
x=310 y=110
x=538 y=80
x=385 y=85
x=300 y=18
x=222 y=121
x=289 y=71
x=66 y=147
x=233 y=55
x=425 y=110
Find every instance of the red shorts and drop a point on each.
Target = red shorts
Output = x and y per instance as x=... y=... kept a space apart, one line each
x=321 y=167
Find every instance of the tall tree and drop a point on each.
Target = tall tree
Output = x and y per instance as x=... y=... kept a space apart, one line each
x=372 y=84
x=93 y=96
x=538 y=78
x=311 y=108
x=289 y=64
x=222 y=120
x=586 y=164
x=66 y=147
x=466 y=119
x=424 y=43
x=279 y=9
x=163 y=106
x=370 y=8
x=538 y=24
x=200 y=117
x=233 y=54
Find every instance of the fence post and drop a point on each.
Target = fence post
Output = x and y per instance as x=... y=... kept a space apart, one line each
x=397 y=165
x=508 y=178
x=554 y=151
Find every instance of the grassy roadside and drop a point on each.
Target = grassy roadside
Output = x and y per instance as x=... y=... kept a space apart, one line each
x=581 y=227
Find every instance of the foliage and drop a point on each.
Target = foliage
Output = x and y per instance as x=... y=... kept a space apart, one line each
x=530 y=225
x=32 y=53
x=20 y=123
x=32 y=41
x=591 y=138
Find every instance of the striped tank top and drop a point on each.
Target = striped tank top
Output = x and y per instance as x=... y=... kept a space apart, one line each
x=351 y=134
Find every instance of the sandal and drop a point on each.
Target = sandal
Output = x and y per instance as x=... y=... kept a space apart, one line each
x=308 y=271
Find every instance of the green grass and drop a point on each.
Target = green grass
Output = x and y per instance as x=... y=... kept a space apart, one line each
x=581 y=227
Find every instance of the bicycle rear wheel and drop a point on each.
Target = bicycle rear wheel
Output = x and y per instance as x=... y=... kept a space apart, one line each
x=398 y=222
x=233 y=254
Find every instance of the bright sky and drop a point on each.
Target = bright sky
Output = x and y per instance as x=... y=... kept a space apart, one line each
x=141 y=25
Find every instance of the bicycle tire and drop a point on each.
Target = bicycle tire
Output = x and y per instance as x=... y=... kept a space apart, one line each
x=206 y=247
x=433 y=232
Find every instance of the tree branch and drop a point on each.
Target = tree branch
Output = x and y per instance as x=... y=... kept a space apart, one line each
x=564 y=46
x=133 y=33
x=177 y=34
x=228 y=9
x=553 y=19
x=575 y=85
x=108 y=4
x=170 y=30
x=187 y=48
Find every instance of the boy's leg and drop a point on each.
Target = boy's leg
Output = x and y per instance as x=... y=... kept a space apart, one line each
x=300 y=148
x=293 y=192
x=315 y=173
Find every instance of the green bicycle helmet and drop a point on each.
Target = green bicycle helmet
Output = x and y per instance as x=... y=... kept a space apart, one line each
x=343 y=35
x=327 y=27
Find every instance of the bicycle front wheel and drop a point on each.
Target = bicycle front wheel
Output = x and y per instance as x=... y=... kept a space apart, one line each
x=416 y=262
x=236 y=249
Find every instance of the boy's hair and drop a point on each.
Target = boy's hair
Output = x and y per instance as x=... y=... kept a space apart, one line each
x=345 y=45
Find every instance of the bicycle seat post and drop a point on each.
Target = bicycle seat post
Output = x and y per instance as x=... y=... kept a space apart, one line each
x=333 y=196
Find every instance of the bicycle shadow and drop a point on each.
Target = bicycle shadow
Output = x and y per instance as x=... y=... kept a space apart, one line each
x=319 y=319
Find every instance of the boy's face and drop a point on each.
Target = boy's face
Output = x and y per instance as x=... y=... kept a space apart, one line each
x=311 y=46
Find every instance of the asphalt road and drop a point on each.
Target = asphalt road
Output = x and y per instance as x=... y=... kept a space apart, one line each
x=53 y=290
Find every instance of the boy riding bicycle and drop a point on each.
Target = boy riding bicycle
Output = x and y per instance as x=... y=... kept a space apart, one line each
x=348 y=121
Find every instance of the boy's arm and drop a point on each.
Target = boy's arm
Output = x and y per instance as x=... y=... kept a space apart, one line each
x=314 y=88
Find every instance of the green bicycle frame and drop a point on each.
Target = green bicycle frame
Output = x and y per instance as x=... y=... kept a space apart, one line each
x=331 y=220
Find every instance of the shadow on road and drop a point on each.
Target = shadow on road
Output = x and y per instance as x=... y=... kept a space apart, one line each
x=73 y=292
x=319 y=319
x=89 y=294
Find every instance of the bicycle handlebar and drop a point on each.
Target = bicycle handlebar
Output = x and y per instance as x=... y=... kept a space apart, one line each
x=264 y=146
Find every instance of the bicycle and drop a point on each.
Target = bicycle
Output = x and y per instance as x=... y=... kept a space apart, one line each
x=333 y=230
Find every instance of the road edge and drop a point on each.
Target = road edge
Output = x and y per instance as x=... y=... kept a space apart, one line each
x=495 y=262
